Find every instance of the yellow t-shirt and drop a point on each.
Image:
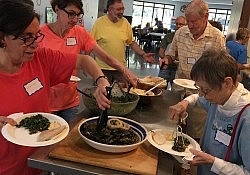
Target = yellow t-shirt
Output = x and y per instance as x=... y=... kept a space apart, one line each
x=112 y=37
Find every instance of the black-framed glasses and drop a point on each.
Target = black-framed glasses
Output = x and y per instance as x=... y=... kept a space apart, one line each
x=72 y=15
x=204 y=91
x=28 y=40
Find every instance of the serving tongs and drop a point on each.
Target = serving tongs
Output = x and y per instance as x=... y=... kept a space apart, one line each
x=179 y=129
x=103 y=118
x=84 y=93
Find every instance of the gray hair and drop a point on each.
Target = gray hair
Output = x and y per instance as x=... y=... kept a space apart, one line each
x=214 y=66
x=197 y=6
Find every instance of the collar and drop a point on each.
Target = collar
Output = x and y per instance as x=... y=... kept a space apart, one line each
x=238 y=99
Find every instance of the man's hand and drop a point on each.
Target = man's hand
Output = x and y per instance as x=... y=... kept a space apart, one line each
x=149 y=57
x=166 y=60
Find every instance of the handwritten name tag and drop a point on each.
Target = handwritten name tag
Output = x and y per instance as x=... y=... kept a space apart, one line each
x=222 y=137
x=71 y=41
x=33 y=86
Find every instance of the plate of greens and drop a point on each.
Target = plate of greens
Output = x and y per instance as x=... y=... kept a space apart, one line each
x=36 y=129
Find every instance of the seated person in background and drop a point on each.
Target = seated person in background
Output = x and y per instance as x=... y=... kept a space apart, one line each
x=168 y=71
x=237 y=48
x=223 y=97
x=216 y=24
x=159 y=26
x=146 y=29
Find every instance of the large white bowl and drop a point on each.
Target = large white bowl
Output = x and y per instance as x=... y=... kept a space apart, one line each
x=137 y=127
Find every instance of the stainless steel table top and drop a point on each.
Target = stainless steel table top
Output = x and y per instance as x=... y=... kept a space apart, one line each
x=152 y=116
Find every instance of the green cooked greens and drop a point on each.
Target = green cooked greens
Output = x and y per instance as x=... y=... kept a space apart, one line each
x=34 y=123
x=178 y=144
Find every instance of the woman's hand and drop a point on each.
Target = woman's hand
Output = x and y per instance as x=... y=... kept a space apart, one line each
x=201 y=157
x=100 y=94
x=130 y=76
x=177 y=111
x=5 y=120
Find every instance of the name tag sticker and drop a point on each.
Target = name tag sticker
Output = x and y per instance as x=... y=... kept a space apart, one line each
x=33 y=86
x=222 y=137
x=191 y=60
x=71 y=41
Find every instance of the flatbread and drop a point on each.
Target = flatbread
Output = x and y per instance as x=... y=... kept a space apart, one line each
x=50 y=133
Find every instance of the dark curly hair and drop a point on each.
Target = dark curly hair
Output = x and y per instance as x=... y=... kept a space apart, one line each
x=15 y=17
x=64 y=3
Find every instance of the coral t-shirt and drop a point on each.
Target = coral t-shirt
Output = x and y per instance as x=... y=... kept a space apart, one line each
x=28 y=91
x=64 y=96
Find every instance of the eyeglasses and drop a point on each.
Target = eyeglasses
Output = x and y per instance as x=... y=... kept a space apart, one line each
x=72 y=15
x=28 y=40
x=204 y=91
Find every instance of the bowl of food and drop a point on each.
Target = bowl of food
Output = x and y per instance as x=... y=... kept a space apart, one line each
x=150 y=81
x=120 y=105
x=146 y=98
x=120 y=135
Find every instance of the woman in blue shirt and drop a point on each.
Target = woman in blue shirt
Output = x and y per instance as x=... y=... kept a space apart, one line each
x=237 y=48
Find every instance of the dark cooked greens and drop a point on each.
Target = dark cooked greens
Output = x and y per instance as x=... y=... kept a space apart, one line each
x=109 y=136
x=123 y=99
x=180 y=144
x=34 y=123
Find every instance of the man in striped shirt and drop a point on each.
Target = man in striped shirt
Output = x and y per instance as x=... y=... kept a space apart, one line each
x=188 y=44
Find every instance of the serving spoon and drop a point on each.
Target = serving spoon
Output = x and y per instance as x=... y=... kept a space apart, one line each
x=147 y=92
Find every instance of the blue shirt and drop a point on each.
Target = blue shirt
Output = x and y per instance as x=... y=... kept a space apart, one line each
x=216 y=120
x=238 y=51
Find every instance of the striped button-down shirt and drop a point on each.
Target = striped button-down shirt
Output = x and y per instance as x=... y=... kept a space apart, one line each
x=188 y=50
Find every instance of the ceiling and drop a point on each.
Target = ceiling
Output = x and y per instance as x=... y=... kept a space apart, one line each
x=225 y=2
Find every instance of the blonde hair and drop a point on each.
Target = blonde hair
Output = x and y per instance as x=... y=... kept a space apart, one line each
x=197 y=6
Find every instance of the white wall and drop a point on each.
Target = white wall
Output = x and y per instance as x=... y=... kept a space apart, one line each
x=40 y=6
x=90 y=8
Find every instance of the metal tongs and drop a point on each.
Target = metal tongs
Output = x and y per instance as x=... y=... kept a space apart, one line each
x=179 y=128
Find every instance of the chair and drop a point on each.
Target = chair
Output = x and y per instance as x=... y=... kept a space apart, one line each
x=141 y=38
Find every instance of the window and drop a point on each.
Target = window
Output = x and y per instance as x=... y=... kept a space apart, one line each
x=222 y=16
x=144 y=12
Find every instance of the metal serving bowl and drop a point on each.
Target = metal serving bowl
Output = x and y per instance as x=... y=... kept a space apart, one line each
x=140 y=130
x=116 y=108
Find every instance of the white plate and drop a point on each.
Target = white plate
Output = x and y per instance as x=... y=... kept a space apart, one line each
x=167 y=146
x=74 y=78
x=21 y=136
x=186 y=83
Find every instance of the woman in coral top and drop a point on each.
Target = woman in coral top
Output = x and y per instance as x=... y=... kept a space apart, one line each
x=26 y=75
x=66 y=36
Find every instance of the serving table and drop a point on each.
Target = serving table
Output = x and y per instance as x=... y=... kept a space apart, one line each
x=152 y=116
